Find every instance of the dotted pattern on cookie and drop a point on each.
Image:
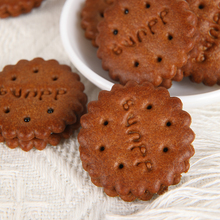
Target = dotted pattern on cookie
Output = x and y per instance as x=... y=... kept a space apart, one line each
x=145 y=40
x=135 y=141
x=16 y=7
x=39 y=98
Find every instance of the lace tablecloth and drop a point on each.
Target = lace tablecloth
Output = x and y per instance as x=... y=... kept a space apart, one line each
x=51 y=184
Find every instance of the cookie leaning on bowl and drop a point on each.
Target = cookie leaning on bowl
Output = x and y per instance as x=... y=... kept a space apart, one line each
x=16 y=7
x=40 y=102
x=135 y=141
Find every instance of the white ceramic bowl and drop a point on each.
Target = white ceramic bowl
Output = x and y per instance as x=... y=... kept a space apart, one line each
x=83 y=56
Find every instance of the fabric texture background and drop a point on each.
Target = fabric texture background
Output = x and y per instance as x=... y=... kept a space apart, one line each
x=51 y=184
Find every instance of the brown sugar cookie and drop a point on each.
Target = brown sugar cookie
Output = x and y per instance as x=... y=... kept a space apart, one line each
x=39 y=98
x=92 y=13
x=16 y=7
x=135 y=141
x=145 y=40
x=204 y=59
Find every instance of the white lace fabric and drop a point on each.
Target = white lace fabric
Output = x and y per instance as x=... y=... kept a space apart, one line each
x=51 y=184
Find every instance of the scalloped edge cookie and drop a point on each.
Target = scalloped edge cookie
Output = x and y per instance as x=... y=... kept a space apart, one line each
x=121 y=50
x=135 y=141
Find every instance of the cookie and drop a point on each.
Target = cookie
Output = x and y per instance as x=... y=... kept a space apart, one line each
x=135 y=141
x=204 y=59
x=39 y=144
x=39 y=98
x=92 y=13
x=54 y=139
x=16 y=7
x=145 y=40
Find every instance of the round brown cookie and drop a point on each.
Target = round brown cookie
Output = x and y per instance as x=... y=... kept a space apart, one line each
x=135 y=141
x=203 y=61
x=145 y=40
x=38 y=98
x=92 y=14
x=16 y=7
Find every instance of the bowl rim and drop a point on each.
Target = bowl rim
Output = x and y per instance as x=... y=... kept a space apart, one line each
x=189 y=101
x=83 y=69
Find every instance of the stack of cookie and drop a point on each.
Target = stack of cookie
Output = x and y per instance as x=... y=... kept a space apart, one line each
x=156 y=41
x=14 y=7
x=41 y=102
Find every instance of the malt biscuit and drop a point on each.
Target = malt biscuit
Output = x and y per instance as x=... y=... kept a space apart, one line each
x=39 y=98
x=203 y=61
x=16 y=7
x=145 y=40
x=135 y=141
x=92 y=13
